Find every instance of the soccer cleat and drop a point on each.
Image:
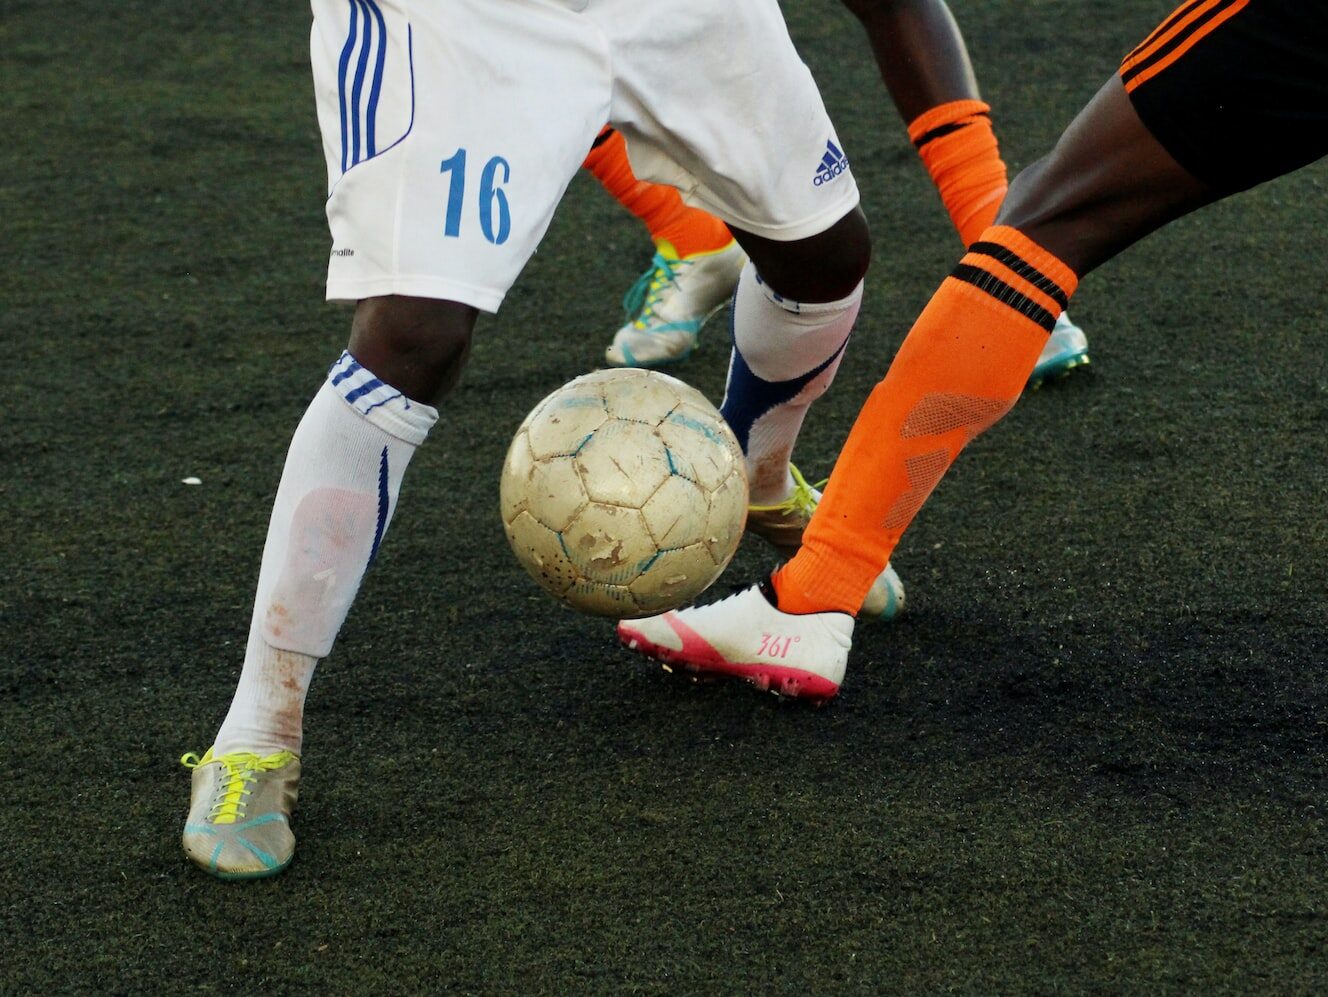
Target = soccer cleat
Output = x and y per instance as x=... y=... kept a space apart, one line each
x=239 y=813
x=670 y=302
x=1065 y=350
x=745 y=636
x=781 y=526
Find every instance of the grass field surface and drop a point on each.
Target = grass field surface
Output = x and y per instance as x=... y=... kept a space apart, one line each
x=1090 y=757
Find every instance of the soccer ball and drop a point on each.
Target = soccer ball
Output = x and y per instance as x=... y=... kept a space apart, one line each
x=624 y=493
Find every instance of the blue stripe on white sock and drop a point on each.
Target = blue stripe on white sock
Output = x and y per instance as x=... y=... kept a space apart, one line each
x=359 y=387
x=748 y=396
x=384 y=500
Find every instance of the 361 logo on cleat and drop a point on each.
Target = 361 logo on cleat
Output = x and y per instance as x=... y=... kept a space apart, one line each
x=776 y=646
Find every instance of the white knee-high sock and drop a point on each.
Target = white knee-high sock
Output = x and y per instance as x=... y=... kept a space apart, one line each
x=785 y=354
x=337 y=494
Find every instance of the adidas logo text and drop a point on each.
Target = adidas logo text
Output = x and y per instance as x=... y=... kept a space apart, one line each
x=833 y=163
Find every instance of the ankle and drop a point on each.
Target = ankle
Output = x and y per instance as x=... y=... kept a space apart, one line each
x=789 y=598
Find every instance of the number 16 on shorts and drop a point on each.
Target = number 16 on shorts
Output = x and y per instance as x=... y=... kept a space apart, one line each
x=494 y=214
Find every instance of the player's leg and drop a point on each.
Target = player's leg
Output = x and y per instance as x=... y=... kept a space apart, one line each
x=1107 y=183
x=793 y=314
x=660 y=208
x=436 y=204
x=962 y=366
x=741 y=107
x=336 y=499
x=924 y=62
x=1110 y=180
x=752 y=110
x=693 y=272
x=960 y=369
x=1158 y=141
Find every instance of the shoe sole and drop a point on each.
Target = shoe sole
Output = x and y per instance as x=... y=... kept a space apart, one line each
x=208 y=864
x=1057 y=368
x=631 y=361
x=235 y=877
x=788 y=683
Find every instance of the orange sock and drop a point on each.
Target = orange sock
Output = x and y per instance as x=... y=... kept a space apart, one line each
x=959 y=149
x=962 y=367
x=688 y=230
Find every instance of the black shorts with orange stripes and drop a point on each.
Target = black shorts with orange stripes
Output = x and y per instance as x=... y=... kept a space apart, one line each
x=1236 y=90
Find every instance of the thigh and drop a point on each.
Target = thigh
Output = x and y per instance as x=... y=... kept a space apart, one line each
x=713 y=98
x=1107 y=183
x=447 y=148
x=1224 y=95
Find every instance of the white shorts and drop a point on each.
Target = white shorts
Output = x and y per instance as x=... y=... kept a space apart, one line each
x=453 y=127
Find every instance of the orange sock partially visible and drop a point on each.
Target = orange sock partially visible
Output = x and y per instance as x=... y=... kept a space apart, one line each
x=961 y=368
x=959 y=149
x=688 y=230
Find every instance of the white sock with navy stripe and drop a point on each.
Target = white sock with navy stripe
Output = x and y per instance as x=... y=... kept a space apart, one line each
x=338 y=490
x=785 y=354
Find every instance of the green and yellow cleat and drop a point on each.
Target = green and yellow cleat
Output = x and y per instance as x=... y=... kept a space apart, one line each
x=670 y=302
x=239 y=813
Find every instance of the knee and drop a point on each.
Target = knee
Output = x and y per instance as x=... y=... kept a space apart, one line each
x=850 y=256
x=824 y=267
x=417 y=345
x=866 y=10
x=862 y=9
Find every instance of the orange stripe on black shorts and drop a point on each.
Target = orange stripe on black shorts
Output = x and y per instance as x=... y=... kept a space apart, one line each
x=1188 y=25
x=1235 y=90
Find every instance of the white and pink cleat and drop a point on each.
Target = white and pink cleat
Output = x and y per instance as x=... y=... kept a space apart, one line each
x=745 y=636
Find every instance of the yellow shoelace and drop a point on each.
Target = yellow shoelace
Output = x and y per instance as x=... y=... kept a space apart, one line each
x=241 y=772
x=802 y=500
x=644 y=294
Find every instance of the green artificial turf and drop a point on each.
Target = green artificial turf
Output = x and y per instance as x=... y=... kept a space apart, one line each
x=1090 y=758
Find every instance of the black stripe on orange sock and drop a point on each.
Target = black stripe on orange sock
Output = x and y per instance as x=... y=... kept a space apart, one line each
x=986 y=281
x=944 y=130
x=1023 y=268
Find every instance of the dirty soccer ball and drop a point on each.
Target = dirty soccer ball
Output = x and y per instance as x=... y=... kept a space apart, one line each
x=624 y=493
